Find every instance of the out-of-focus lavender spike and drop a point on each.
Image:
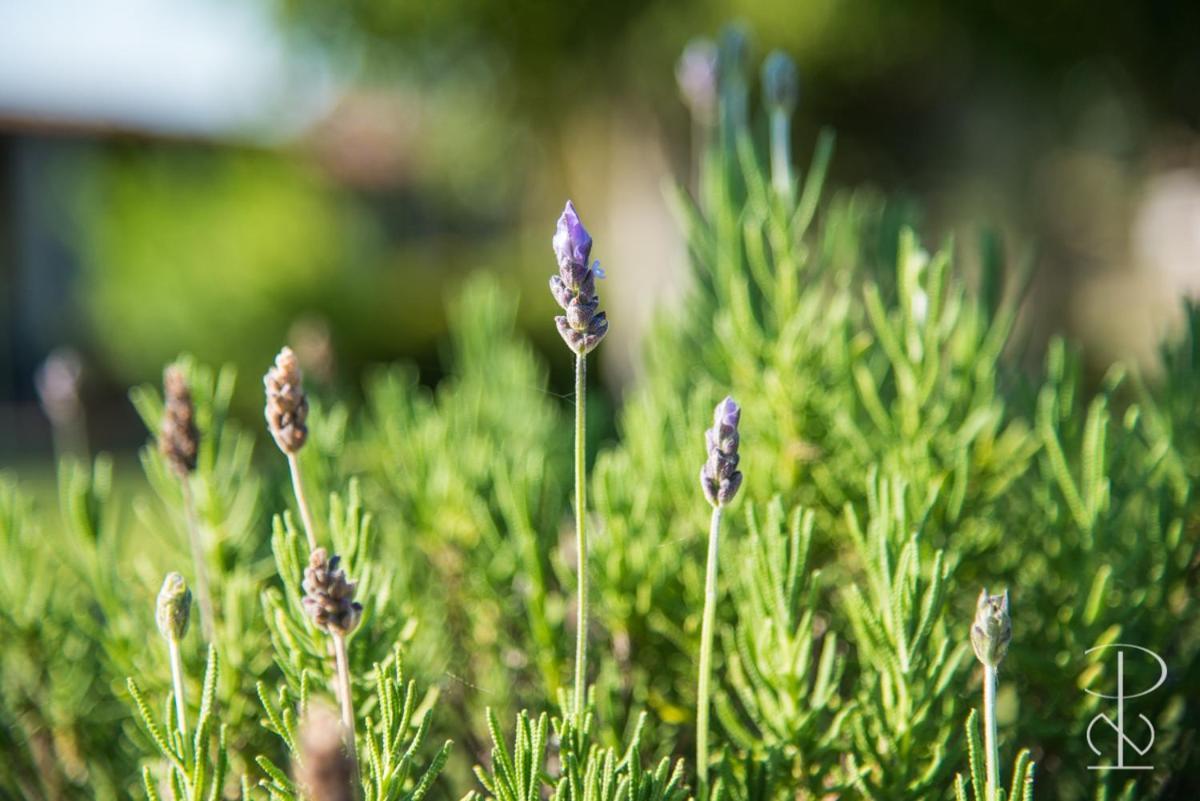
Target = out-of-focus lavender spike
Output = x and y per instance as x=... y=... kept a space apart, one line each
x=719 y=477
x=780 y=82
x=696 y=73
x=781 y=90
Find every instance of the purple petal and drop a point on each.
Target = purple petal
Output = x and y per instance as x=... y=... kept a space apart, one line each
x=572 y=243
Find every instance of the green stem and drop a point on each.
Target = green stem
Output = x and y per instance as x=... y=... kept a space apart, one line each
x=298 y=488
x=177 y=682
x=781 y=157
x=580 y=536
x=706 y=638
x=347 y=701
x=991 y=749
x=203 y=596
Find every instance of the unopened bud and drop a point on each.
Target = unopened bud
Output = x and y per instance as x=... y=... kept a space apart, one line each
x=174 y=607
x=992 y=630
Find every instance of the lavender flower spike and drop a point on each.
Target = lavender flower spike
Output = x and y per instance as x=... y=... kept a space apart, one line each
x=720 y=477
x=583 y=326
x=696 y=74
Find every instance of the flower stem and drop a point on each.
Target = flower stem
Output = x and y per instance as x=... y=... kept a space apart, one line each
x=298 y=488
x=991 y=748
x=177 y=682
x=706 y=637
x=580 y=536
x=203 y=596
x=781 y=159
x=347 y=702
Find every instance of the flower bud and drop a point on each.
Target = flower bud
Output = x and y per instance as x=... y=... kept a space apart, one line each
x=719 y=477
x=574 y=288
x=992 y=629
x=329 y=595
x=174 y=607
x=178 y=437
x=287 y=405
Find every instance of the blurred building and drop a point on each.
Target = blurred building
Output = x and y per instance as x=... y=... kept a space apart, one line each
x=76 y=75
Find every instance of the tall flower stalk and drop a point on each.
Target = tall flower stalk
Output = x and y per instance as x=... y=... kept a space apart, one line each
x=329 y=601
x=582 y=327
x=720 y=480
x=171 y=614
x=179 y=443
x=990 y=635
x=287 y=416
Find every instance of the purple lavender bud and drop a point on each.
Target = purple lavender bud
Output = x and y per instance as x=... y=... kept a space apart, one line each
x=580 y=314
x=572 y=243
x=560 y=291
x=574 y=288
x=719 y=477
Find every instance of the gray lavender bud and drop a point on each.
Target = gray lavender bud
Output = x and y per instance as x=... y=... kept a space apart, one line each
x=287 y=406
x=574 y=288
x=329 y=595
x=696 y=74
x=178 y=437
x=324 y=769
x=174 y=607
x=719 y=477
x=992 y=630
x=780 y=83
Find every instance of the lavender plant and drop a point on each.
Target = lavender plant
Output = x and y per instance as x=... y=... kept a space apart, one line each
x=582 y=328
x=720 y=480
x=172 y=615
x=195 y=768
x=991 y=633
x=837 y=668
x=287 y=414
x=178 y=441
x=323 y=768
x=784 y=663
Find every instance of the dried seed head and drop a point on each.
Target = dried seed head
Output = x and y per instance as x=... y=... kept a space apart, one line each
x=174 y=607
x=178 y=439
x=287 y=406
x=992 y=629
x=719 y=477
x=574 y=288
x=324 y=768
x=329 y=595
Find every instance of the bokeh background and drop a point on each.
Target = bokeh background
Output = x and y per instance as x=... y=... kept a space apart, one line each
x=222 y=176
